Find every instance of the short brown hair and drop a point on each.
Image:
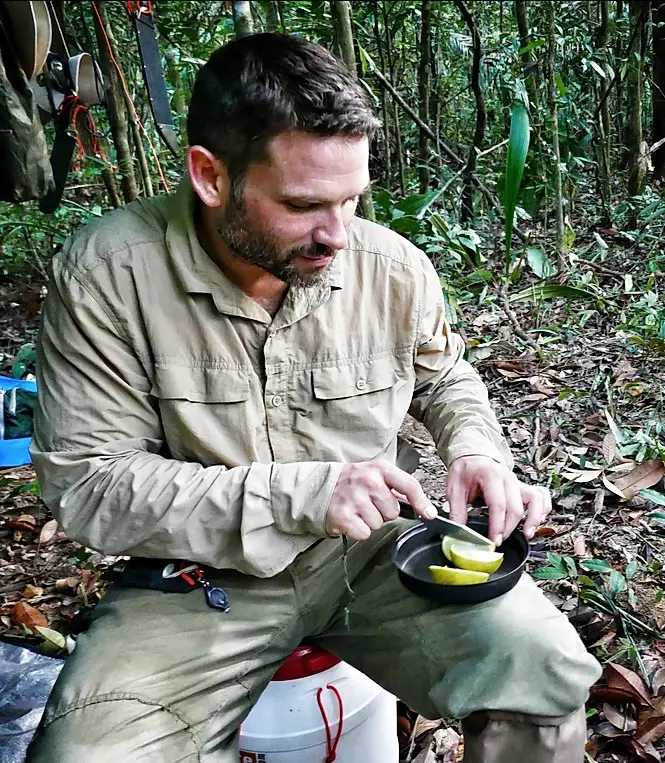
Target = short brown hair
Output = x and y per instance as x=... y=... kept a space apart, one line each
x=258 y=86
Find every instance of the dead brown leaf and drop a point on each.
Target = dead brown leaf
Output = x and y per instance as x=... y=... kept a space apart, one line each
x=658 y=682
x=614 y=694
x=24 y=614
x=619 y=719
x=644 y=475
x=66 y=584
x=48 y=532
x=619 y=677
x=23 y=522
x=651 y=731
x=609 y=447
x=30 y=591
x=647 y=752
x=579 y=546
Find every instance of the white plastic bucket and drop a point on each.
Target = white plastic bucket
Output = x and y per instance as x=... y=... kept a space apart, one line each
x=310 y=694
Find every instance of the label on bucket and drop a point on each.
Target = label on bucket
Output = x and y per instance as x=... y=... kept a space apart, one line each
x=252 y=757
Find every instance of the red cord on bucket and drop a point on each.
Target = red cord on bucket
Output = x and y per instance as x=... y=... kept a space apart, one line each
x=332 y=746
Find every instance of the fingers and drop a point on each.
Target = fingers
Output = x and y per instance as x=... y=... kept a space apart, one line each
x=458 y=498
x=539 y=504
x=408 y=486
x=496 y=499
x=363 y=498
x=514 y=506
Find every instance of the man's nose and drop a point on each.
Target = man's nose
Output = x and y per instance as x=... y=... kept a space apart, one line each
x=332 y=232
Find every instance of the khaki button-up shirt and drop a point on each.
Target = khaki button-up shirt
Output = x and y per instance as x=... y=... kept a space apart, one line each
x=177 y=418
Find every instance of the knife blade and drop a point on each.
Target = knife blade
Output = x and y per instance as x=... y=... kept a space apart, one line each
x=456 y=530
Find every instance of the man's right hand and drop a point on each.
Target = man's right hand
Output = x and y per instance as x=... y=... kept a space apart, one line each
x=366 y=496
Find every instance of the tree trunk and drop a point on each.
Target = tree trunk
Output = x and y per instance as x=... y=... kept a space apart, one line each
x=554 y=111
x=529 y=61
x=398 y=131
x=280 y=11
x=658 y=156
x=88 y=145
x=620 y=120
x=143 y=161
x=242 y=18
x=343 y=34
x=634 y=93
x=481 y=113
x=115 y=101
x=603 y=141
x=385 y=103
x=423 y=94
x=272 y=16
x=179 y=105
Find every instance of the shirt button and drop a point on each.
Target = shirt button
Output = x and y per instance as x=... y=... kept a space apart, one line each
x=277 y=400
x=361 y=384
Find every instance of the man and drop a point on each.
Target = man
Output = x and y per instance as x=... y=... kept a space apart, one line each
x=222 y=377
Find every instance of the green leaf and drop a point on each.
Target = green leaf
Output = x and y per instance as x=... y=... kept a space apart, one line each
x=518 y=147
x=52 y=639
x=549 y=573
x=598 y=69
x=531 y=46
x=539 y=263
x=617 y=583
x=417 y=204
x=542 y=291
x=406 y=224
x=596 y=565
x=654 y=496
x=571 y=566
x=557 y=562
x=631 y=569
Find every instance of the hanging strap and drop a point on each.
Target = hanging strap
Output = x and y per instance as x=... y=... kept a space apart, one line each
x=331 y=746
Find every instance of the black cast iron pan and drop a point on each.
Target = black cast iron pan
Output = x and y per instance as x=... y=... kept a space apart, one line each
x=419 y=547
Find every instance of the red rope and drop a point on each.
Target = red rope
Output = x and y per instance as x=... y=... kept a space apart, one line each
x=330 y=745
x=128 y=96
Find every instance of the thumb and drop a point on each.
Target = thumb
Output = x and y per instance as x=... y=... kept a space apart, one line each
x=457 y=499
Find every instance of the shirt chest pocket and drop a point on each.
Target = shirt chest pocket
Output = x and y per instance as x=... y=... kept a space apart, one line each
x=202 y=411
x=363 y=403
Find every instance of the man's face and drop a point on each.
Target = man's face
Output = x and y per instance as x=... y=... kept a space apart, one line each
x=295 y=208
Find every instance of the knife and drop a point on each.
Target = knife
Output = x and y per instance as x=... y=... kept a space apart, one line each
x=456 y=530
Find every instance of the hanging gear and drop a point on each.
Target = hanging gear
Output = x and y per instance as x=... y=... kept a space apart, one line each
x=140 y=12
x=26 y=171
x=60 y=86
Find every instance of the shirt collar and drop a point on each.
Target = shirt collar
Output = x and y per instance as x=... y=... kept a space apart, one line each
x=199 y=274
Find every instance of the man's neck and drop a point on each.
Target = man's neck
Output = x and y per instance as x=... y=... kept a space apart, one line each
x=256 y=283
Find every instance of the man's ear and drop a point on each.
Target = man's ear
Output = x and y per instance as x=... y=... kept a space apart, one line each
x=208 y=176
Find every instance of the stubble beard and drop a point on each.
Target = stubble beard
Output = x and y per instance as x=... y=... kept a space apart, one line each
x=259 y=248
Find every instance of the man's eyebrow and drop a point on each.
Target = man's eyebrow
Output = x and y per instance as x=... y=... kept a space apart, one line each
x=298 y=196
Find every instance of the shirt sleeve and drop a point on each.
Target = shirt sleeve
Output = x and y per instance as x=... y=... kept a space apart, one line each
x=98 y=450
x=450 y=398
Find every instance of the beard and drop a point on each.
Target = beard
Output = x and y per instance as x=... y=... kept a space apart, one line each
x=259 y=248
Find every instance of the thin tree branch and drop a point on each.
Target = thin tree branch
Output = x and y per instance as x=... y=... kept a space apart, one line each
x=606 y=94
x=442 y=147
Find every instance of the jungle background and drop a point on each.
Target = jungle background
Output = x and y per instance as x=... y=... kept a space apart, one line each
x=552 y=274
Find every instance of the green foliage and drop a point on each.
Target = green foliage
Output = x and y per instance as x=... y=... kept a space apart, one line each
x=518 y=148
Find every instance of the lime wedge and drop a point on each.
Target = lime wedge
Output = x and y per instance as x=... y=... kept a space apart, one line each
x=452 y=576
x=448 y=541
x=470 y=557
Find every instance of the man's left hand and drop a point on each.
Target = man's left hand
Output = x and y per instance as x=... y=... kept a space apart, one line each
x=507 y=499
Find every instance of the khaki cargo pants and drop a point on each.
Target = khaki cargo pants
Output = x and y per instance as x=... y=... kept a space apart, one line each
x=160 y=678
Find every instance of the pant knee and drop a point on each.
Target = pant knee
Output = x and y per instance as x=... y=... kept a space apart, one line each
x=115 y=730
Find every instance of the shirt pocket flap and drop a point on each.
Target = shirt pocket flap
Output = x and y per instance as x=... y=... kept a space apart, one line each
x=334 y=383
x=200 y=385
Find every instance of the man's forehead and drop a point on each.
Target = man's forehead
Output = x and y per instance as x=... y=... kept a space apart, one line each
x=299 y=162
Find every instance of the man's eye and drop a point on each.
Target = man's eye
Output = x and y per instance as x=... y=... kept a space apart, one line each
x=299 y=207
